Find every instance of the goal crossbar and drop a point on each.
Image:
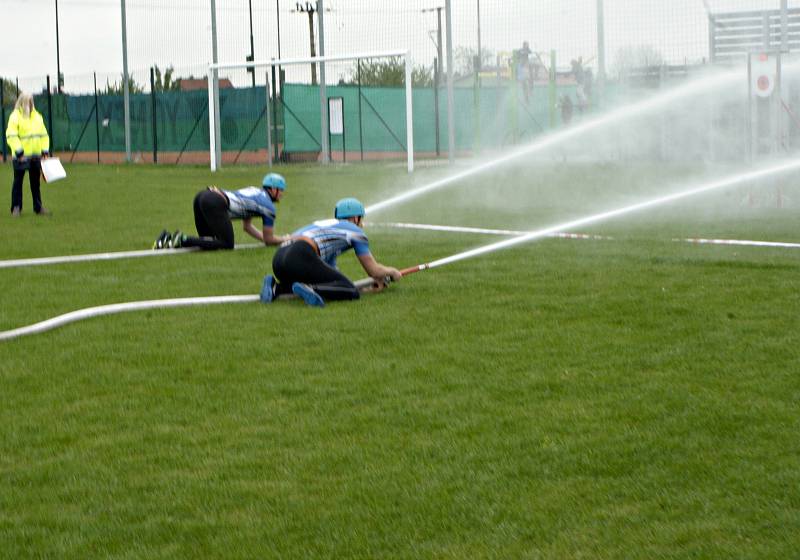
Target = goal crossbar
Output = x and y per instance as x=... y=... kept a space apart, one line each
x=307 y=60
x=213 y=93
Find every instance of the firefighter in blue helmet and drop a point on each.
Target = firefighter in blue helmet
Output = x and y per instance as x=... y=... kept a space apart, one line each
x=306 y=264
x=215 y=208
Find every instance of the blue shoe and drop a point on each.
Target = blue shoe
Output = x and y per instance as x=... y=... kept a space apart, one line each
x=308 y=294
x=268 y=289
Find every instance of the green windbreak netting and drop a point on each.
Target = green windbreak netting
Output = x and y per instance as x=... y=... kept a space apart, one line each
x=181 y=121
x=377 y=121
x=374 y=119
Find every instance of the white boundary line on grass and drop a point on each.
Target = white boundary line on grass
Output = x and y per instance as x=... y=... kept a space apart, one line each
x=696 y=241
x=742 y=242
x=111 y=309
x=39 y=261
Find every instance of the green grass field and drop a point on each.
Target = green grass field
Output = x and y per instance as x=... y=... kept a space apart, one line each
x=627 y=398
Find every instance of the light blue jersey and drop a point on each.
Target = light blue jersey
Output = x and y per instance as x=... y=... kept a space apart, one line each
x=334 y=237
x=250 y=202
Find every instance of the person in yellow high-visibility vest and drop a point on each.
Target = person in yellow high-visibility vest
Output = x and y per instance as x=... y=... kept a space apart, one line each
x=27 y=137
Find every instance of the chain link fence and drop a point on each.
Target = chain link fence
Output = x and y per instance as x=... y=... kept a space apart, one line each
x=520 y=69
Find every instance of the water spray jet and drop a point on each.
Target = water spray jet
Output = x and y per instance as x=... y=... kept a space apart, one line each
x=365 y=283
x=596 y=218
x=613 y=117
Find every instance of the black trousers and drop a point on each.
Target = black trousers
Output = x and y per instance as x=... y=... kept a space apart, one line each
x=212 y=222
x=298 y=262
x=33 y=166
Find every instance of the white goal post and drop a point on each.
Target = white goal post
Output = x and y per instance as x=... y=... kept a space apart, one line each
x=213 y=98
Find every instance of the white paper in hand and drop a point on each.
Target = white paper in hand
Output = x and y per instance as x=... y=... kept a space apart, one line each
x=52 y=169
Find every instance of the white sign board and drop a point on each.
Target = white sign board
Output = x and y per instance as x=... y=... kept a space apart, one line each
x=764 y=71
x=52 y=169
x=336 y=115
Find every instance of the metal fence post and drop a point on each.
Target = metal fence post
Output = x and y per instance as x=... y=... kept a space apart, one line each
x=267 y=110
x=750 y=128
x=153 y=102
x=360 y=124
x=409 y=115
x=476 y=105
x=712 y=37
x=50 y=115
x=3 y=117
x=451 y=125
x=664 y=120
x=323 y=94
x=553 y=89
x=437 y=75
x=125 y=85
x=97 y=117
x=275 y=115
x=782 y=128
x=217 y=132
x=601 y=48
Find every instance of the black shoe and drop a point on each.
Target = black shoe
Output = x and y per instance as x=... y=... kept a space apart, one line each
x=162 y=241
x=177 y=240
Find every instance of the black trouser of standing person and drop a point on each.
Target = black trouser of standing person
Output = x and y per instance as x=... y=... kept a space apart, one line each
x=297 y=261
x=33 y=166
x=212 y=222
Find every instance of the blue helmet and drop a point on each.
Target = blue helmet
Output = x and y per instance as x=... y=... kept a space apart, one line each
x=348 y=208
x=274 y=181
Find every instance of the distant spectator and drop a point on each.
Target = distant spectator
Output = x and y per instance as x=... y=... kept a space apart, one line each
x=524 y=71
x=583 y=81
x=577 y=69
x=588 y=79
x=27 y=137
x=565 y=103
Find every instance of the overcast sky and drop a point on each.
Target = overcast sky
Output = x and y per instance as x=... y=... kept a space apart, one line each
x=177 y=32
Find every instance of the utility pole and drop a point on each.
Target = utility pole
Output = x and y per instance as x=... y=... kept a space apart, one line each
x=252 y=56
x=437 y=72
x=309 y=9
x=784 y=26
x=440 y=60
x=480 y=58
x=313 y=47
x=58 y=55
x=439 y=39
x=601 y=48
x=451 y=129
x=278 y=19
